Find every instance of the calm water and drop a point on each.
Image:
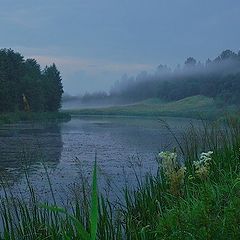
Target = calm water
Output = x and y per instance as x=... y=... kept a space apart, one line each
x=122 y=145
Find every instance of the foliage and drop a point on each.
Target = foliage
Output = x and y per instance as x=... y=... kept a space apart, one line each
x=53 y=88
x=21 y=79
x=218 y=79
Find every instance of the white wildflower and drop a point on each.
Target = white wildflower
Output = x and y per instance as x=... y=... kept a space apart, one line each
x=202 y=166
x=173 y=172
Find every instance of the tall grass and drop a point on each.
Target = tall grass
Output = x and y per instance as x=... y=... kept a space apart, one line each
x=197 y=209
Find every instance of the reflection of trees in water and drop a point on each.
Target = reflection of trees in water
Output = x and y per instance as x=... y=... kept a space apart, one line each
x=26 y=146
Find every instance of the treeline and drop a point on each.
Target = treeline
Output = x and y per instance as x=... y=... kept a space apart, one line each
x=218 y=78
x=24 y=86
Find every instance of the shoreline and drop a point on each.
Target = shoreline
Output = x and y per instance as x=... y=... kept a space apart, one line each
x=196 y=107
x=16 y=117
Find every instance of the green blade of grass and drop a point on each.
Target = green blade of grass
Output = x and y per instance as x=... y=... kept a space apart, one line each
x=94 y=207
x=53 y=208
x=80 y=228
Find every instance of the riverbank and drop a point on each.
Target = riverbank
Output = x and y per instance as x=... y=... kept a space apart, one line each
x=8 y=118
x=198 y=198
x=198 y=107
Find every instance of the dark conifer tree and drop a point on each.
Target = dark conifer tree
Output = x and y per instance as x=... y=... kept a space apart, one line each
x=11 y=71
x=52 y=88
x=23 y=81
x=31 y=85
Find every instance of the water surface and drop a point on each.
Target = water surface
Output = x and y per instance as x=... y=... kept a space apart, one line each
x=123 y=146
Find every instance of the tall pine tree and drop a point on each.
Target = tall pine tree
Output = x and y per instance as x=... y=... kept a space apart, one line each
x=23 y=81
x=31 y=86
x=52 y=88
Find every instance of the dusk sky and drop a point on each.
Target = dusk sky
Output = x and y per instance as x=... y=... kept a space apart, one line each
x=94 y=42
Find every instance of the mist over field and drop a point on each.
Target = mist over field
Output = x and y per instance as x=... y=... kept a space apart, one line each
x=217 y=78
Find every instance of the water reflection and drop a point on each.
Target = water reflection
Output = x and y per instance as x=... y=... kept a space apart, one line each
x=25 y=146
x=117 y=141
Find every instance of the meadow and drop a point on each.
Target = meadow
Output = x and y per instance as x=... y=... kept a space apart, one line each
x=200 y=107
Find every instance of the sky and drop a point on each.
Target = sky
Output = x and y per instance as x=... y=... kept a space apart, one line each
x=95 y=42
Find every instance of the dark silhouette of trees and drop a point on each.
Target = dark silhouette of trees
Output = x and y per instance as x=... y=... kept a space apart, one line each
x=53 y=89
x=31 y=85
x=11 y=71
x=190 y=62
x=22 y=80
x=218 y=79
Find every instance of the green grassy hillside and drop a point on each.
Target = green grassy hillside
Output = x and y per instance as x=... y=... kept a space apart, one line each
x=196 y=106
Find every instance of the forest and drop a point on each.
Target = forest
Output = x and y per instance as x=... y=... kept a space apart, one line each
x=25 y=87
x=218 y=79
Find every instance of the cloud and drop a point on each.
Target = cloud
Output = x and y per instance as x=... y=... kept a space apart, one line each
x=82 y=74
x=85 y=74
x=92 y=66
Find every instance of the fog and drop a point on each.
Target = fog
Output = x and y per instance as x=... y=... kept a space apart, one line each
x=215 y=78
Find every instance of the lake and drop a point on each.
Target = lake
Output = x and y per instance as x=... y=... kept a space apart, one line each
x=124 y=147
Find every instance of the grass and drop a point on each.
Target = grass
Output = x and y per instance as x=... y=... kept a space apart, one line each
x=8 y=118
x=34 y=220
x=193 y=107
x=164 y=206
x=81 y=232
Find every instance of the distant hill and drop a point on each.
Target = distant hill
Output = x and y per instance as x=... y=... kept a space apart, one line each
x=196 y=107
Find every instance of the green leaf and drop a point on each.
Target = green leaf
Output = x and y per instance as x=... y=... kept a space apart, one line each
x=94 y=207
x=53 y=208
x=66 y=237
x=79 y=227
x=83 y=234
